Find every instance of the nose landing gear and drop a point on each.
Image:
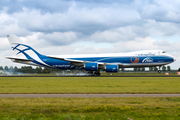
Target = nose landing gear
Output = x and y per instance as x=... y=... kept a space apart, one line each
x=159 y=71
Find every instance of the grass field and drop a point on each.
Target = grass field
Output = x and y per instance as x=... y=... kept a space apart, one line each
x=89 y=85
x=164 y=108
x=130 y=108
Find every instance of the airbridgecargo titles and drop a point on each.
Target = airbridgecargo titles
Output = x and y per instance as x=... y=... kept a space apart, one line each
x=145 y=54
x=90 y=62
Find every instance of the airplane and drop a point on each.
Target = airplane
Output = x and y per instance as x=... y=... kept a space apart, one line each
x=92 y=63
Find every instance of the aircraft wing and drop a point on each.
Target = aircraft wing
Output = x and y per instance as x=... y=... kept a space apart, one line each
x=78 y=63
x=81 y=63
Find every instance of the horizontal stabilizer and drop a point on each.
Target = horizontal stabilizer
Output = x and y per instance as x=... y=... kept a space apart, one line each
x=18 y=59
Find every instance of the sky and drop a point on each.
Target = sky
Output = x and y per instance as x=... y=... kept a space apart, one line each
x=91 y=26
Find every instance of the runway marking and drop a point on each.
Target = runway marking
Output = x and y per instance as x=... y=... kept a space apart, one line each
x=84 y=95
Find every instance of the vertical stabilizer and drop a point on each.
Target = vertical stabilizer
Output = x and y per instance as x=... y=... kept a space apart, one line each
x=25 y=52
x=15 y=45
x=21 y=49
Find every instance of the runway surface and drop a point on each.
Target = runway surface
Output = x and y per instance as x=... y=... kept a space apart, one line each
x=91 y=76
x=84 y=95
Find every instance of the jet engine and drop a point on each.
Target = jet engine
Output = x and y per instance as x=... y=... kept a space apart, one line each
x=91 y=66
x=112 y=68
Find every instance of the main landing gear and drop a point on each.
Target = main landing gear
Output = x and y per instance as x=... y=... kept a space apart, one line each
x=97 y=73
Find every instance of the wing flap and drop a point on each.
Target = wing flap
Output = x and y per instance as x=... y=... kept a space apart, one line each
x=81 y=63
x=78 y=63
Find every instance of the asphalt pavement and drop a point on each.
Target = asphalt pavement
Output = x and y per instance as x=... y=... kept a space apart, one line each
x=84 y=95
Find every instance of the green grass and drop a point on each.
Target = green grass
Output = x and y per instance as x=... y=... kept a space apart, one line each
x=89 y=85
x=163 y=108
x=136 y=108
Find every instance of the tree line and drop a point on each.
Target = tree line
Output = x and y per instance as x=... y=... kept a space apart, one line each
x=163 y=68
x=30 y=69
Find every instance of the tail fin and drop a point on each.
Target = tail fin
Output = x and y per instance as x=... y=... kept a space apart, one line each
x=20 y=48
x=24 y=53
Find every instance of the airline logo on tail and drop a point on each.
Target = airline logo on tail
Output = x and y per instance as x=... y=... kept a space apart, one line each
x=29 y=53
x=20 y=48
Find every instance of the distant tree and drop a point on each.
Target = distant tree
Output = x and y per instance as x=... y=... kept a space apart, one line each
x=155 y=69
x=143 y=69
x=150 y=68
x=39 y=70
x=11 y=69
x=6 y=68
x=22 y=69
x=135 y=69
x=25 y=69
x=179 y=69
x=163 y=68
x=122 y=69
x=16 y=69
x=138 y=69
x=46 y=70
x=30 y=69
x=1 y=68
x=168 y=68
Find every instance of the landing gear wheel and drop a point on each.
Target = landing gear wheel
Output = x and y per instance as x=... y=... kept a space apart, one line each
x=90 y=73
x=93 y=73
x=98 y=74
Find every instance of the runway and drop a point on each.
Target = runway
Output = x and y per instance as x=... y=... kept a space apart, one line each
x=90 y=76
x=83 y=95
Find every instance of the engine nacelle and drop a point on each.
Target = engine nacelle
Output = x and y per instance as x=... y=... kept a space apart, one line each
x=112 y=68
x=91 y=66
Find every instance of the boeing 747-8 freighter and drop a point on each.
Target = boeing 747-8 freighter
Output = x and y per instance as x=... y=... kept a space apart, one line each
x=90 y=62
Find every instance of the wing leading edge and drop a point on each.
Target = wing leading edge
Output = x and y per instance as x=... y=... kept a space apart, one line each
x=80 y=63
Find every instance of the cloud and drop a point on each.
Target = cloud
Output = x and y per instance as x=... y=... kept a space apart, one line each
x=58 y=38
x=84 y=20
x=87 y=18
x=4 y=44
x=138 y=44
x=14 y=6
x=162 y=11
x=9 y=25
x=123 y=25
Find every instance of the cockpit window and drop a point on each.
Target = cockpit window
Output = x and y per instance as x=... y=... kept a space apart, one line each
x=163 y=51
